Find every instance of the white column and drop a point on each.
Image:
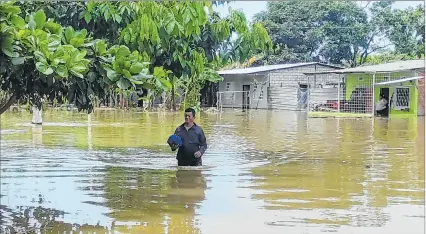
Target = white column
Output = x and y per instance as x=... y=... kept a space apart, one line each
x=373 y=91
x=37 y=115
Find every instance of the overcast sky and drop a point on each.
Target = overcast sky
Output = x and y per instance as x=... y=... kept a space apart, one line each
x=250 y=8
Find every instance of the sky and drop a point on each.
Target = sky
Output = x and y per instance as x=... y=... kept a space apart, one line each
x=250 y=8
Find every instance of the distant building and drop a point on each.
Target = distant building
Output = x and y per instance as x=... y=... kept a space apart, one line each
x=282 y=86
x=401 y=82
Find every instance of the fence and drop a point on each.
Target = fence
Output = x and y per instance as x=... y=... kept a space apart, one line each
x=233 y=99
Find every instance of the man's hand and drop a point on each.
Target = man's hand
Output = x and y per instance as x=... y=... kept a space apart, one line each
x=197 y=154
x=174 y=147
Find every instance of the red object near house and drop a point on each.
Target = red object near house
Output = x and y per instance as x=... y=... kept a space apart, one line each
x=421 y=90
x=368 y=94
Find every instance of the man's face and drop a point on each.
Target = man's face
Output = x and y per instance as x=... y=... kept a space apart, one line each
x=189 y=118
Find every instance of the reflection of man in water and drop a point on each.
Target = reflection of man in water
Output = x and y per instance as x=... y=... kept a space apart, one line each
x=187 y=191
x=193 y=141
x=189 y=186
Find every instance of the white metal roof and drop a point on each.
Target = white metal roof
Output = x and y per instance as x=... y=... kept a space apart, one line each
x=386 y=67
x=251 y=70
x=400 y=80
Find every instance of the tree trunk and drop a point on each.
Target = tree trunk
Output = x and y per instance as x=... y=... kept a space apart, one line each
x=173 y=96
x=7 y=104
x=37 y=116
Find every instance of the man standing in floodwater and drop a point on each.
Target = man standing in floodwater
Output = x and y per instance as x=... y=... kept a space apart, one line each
x=194 y=142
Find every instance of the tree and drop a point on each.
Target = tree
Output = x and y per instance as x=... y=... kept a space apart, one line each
x=39 y=57
x=387 y=57
x=407 y=30
x=172 y=40
x=339 y=32
x=189 y=41
x=307 y=31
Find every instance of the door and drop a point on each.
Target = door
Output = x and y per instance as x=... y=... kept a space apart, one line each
x=385 y=93
x=302 y=97
x=246 y=97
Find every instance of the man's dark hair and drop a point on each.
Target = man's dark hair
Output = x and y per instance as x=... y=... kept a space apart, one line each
x=190 y=110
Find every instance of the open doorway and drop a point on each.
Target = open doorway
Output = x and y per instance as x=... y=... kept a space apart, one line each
x=385 y=93
x=246 y=97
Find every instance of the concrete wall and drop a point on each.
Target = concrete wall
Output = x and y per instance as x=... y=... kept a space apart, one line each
x=236 y=82
x=280 y=90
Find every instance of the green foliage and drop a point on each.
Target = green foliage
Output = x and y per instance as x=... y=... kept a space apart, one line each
x=140 y=46
x=388 y=57
x=339 y=32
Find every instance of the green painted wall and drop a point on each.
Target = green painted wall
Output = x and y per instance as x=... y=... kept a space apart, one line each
x=352 y=81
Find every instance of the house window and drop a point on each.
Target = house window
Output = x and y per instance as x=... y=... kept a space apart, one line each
x=402 y=100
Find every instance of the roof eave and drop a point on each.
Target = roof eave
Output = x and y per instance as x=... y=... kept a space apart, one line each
x=275 y=69
x=358 y=72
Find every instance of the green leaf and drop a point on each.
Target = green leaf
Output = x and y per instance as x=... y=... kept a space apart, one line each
x=76 y=73
x=123 y=51
x=18 y=21
x=53 y=27
x=118 y=18
x=123 y=83
x=39 y=56
x=136 y=68
x=148 y=86
x=7 y=47
x=126 y=73
x=44 y=68
x=69 y=33
x=166 y=83
x=79 y=68
x=76 y=42
x=62 y=71
x=111 y=74
x=32 y=24
x=40 y=19
x=141 y=76
x=87 y=17
x=170 y=27
x=137 y=82
x=80 y=55
x=18 y=61
x=100 y=47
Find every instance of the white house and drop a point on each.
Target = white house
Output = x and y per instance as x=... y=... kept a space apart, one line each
x=282 y=86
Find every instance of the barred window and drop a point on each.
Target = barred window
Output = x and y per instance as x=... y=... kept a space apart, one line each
x=402 y=98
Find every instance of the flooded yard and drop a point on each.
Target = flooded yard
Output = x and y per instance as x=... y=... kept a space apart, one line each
x=264 y=172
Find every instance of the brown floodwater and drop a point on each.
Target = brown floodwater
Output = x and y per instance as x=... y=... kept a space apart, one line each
x=264 y=172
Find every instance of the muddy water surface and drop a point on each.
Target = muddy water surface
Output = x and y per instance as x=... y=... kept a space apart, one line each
x=264 y=172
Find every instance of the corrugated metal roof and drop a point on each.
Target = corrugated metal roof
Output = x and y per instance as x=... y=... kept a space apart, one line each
x=251 y=70
x=386 y=67
x=400 y=80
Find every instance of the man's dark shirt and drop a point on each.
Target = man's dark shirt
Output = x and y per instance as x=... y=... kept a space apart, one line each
x=193 y=140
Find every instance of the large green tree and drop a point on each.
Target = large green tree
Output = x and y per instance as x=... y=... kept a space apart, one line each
x=406 y=31
x=339 y=31
x=39 y=57
x=100 y=46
